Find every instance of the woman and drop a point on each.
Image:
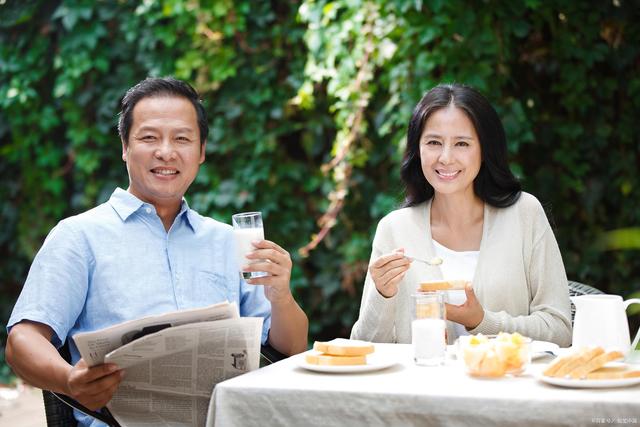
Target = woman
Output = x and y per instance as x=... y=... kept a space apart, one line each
x=465 y=206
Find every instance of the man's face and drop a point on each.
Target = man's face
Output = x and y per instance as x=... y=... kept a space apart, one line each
x=164 y=150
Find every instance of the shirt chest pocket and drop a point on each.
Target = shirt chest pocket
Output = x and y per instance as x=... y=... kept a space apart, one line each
x=212 y=288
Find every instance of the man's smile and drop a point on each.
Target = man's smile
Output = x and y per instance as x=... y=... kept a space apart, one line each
x=164 y=171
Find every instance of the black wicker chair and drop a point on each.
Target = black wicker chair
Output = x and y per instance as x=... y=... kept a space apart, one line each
x=576 y=289
x=59 y=408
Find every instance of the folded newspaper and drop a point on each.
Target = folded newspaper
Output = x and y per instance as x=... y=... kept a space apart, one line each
x=172 y=362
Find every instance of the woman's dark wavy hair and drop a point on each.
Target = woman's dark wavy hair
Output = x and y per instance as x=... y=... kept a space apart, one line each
x=495 y=183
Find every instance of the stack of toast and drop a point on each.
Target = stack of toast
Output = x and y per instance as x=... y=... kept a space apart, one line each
x=589 y=363
x=340 y=352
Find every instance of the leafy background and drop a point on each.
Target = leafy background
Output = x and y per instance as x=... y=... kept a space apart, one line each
x=308 y=104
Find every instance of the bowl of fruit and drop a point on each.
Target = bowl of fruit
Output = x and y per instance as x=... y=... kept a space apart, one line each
x=495 y=355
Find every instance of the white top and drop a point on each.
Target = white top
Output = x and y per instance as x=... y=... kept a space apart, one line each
x=519 y=279
x=456 y=266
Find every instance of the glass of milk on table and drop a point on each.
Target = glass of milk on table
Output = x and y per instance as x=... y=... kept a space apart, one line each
x=428 y=329
x=247 y=228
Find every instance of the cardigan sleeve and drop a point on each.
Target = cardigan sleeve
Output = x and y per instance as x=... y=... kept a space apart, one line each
x=549 y=317
x=376 y=321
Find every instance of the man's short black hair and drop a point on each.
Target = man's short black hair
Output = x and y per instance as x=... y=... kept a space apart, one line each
x=159 y=86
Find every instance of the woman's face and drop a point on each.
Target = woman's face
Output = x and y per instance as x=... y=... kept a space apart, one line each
x=450 y=153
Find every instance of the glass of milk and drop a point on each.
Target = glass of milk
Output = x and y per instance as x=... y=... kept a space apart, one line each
x=428 y=336
x=247 y=228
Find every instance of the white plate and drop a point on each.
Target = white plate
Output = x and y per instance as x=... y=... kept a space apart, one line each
x=538 y=349
x=373 y=364
x=567 y=382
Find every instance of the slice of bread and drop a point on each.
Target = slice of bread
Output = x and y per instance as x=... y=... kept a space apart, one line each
x=613 y=373
x=556 y=364
x=442 y=285
x=595 y=363
x=344 y=347
x=578 y=359
x=327 y=359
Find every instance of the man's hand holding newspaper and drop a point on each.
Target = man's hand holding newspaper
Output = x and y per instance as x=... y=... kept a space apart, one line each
x=172 y=361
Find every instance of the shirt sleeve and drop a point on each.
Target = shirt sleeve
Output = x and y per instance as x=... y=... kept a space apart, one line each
x=254 y=303
x=376 y=322
x=56 y=287
x=549 y=287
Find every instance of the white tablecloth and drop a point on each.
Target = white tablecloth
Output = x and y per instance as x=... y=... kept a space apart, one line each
x=283 y=394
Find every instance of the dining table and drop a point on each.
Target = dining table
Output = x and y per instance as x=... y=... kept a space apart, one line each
x=397 y=392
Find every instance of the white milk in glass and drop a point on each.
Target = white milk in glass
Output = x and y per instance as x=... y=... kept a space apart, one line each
x=428 y=339
x=244 y=237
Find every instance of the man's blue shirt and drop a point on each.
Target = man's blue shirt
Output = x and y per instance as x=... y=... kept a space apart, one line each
x=116 y=262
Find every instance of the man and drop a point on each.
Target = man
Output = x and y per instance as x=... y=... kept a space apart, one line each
x=143 y=252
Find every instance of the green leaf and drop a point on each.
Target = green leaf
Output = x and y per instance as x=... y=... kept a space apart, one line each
x=624 y=238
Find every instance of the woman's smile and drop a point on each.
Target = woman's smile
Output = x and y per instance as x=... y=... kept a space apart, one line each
x=447 y=175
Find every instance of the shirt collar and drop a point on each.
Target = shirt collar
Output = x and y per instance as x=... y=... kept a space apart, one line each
x=192 y=218
x=125 y=204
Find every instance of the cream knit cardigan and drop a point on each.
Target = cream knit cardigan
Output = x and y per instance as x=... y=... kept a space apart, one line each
x=519 y=280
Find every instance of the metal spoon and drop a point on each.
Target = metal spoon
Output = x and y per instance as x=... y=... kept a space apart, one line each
x=433 y=261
